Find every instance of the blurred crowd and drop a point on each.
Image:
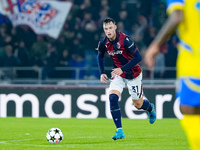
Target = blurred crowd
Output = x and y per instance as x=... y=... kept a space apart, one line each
x=75 y=46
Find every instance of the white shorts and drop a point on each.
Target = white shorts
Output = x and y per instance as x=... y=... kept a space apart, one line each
x=134 y=86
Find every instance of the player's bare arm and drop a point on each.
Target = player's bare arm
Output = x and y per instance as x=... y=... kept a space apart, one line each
x=166 y=31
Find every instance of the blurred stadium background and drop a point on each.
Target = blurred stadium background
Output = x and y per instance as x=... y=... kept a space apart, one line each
x=55 y=75
x=44 y=69
x=30 y=58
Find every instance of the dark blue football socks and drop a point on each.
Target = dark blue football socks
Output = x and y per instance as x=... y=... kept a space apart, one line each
x=115 y=110
x=146 y=105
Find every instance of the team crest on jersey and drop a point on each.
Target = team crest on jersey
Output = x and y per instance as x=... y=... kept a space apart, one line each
x=118 y=45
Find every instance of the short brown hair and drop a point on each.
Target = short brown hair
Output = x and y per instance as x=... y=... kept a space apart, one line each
x=108 y=20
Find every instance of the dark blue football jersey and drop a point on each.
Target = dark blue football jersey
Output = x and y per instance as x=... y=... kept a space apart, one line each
x=121 y=51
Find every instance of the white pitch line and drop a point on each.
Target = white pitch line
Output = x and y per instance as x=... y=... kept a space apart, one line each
x=5 y=142
x=10 y=142
x=36 y=145
x=86 y=137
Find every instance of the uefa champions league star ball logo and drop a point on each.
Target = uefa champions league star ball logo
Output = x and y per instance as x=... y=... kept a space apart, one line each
x=54 y=135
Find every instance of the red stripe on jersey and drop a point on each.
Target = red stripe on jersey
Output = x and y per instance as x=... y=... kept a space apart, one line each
x=125 y=57
x=140 y=92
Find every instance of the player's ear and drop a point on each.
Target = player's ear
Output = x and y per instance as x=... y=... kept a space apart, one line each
x=115 y=27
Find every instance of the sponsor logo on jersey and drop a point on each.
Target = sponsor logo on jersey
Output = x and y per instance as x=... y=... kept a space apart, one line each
x=115 y=53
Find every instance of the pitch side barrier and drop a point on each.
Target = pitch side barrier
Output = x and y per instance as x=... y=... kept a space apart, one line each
x=81 y=102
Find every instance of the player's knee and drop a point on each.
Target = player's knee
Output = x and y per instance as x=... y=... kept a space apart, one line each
x=137 y=105
x=113 y=101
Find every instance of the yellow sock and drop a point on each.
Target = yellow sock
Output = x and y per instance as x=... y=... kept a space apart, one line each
x=191 y=126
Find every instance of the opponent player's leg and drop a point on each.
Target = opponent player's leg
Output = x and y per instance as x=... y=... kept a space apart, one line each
x=116 y=87
x=191 y=126
x=190 y=108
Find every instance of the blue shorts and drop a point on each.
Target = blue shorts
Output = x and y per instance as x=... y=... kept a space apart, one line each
x=189 y=91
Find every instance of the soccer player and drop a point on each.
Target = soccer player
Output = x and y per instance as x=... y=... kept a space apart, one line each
x=126 y=71
x=184 y=15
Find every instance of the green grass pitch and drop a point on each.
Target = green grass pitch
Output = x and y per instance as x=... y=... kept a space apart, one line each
x=88 y=134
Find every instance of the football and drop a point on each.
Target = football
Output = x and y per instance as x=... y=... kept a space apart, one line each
x=54 y=135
